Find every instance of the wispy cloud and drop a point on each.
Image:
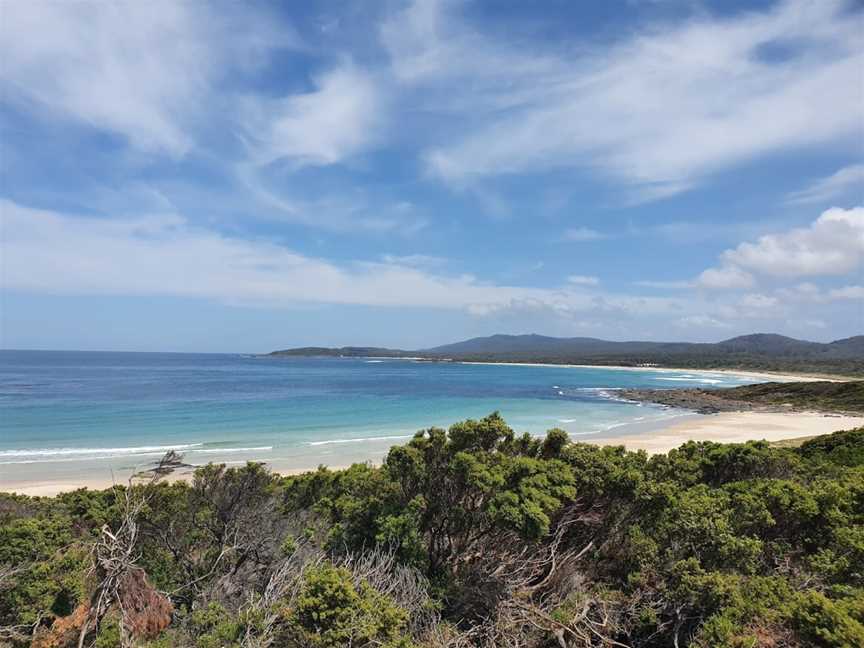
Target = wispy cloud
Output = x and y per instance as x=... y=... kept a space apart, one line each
x=415 y=260
x=700 y=231
x=847 y=292
x=846 y=179
x=349 y=210
x=659 y=111
x=49 y=252
x=144 y=70
x=340 y=118
x=811 y=293
x=583 y=280
x=58 y=253
x=724 y=278
x=665 y=285
x=759 y=302
x=701 y=321
x=582 y=234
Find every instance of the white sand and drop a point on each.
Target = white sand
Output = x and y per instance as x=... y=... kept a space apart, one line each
x=765 y=375
x=52 y=488
x=735 y=427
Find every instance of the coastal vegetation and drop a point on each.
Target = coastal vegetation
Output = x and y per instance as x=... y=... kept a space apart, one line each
x=473 y=536
x=758 y=352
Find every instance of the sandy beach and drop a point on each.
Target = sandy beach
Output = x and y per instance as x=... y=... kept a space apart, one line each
x=735 y=427
x=727 y=427
x=52 y=488
x=762 y=375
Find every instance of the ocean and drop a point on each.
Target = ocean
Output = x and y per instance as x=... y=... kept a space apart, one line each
x=68 y=415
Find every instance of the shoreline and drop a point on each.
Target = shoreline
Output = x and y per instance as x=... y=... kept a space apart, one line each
x=733 y=427
x=654 y=437
x=51 y=488
x=786 y=376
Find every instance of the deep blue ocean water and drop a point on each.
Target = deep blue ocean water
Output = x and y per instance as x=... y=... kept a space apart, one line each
x=67 y=413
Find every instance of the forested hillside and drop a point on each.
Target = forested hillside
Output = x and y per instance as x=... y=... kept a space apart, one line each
x=469 y=537
x=761 y=351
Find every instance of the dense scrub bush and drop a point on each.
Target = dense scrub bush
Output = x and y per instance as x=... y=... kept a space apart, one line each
x=473 y=536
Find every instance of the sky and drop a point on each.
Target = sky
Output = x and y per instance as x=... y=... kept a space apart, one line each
x=246 y=176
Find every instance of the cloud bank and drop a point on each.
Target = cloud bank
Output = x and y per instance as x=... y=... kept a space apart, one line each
x=832 y=245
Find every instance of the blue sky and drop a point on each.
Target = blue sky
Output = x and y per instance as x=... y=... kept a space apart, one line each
x=224 y=176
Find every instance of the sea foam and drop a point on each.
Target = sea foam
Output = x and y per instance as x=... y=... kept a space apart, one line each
x=358 y=440
x=61 y=455
x=48 y=452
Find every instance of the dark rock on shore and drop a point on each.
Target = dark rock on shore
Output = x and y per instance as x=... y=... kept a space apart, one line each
x=828 y=397
x=702 y=401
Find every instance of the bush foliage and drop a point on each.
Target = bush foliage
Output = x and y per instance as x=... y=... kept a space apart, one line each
x=474 y=536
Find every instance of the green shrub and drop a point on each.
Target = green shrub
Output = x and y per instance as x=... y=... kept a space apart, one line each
x=332 y=612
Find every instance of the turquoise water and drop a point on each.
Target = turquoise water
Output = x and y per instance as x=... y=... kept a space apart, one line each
x=64 y=414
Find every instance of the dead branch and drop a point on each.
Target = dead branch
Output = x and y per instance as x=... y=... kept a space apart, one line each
x=166 y=465
x=120 y=583
x=283 y=588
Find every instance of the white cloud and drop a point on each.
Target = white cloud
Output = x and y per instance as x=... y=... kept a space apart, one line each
x=832 y=245
x=55 y=253
x=846 y=179
x=807 y=289
x=810 y=293
x=723 y=278
x=802 y=292
x=47 y=252
x=758 y=301
x=609 y=308
x=742 y=309
x=582 y=280
x=144 y=70
x=701 y=321
x=581 y=234
x=429 y=47
x=414 y=260
x=351 y=209
x=164 y=255
x=692 y=232
x=814 y=323
x=847 y=292
x=50 y=252
x=341 y=118
x=664 y=285
x=660 y=110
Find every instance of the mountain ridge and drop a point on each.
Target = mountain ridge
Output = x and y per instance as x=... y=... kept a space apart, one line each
x=768 y=351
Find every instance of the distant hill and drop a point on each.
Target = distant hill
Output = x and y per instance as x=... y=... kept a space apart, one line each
x=344 y=352
x=848 y=347
x=760 y=344
x=771 y=344
x=763 y=351
x=515 y=345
